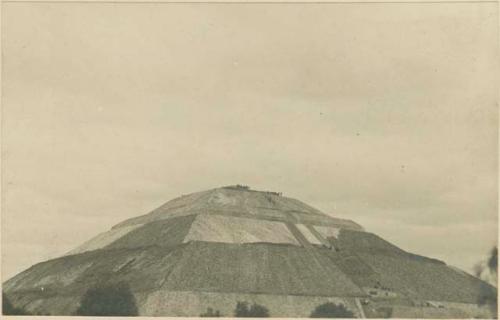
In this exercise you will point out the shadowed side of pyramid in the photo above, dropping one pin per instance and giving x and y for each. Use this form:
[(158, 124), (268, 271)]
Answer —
[(214, 248)]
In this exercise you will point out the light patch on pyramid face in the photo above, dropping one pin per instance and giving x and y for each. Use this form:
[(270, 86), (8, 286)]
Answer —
[(214, 228), (104, 239), (219, 198), (63, 278), (310, 237), (328, 232)]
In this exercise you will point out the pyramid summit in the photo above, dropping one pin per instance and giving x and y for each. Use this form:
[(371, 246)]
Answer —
[(214, 248), (241, 201), (232, 214)]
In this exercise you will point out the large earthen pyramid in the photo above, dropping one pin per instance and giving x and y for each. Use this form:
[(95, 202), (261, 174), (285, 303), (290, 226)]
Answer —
[(214, 248)]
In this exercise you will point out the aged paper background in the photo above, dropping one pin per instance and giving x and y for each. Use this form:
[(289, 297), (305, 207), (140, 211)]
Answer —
[(383, 113)]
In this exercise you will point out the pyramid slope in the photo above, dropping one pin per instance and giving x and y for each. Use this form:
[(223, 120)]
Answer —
[(259, 268), (193, 267), (220, 246), (56, 286), (239, 201), (410, 275), (265, 210)]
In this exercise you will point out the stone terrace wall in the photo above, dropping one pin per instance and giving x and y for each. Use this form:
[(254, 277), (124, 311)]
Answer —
[(185, 303)]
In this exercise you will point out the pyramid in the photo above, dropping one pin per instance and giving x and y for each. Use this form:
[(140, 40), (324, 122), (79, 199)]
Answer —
[(214, 248)]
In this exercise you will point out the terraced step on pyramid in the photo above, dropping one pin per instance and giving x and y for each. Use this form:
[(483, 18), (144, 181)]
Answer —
[(214, 248)]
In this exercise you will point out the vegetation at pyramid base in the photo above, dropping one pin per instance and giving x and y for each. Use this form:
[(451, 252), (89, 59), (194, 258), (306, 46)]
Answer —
[(254, 311), (108, 300), (9, 309), (488, 271), (210, 313), (490, 300), (331, 310)]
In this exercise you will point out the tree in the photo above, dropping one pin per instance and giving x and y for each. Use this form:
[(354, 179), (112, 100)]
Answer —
[(331, 310), (108, 300), (211, 314), (9, 309), (258, 311), (254, 311), (487, 271)]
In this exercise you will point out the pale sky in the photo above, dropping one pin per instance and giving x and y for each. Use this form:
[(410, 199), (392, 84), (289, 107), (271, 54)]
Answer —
[(385, 114)]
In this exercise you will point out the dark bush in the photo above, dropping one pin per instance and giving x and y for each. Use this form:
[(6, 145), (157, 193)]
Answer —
[(331, 310), (108, 300), (254, 311), (488, 297), (210, 313), (9, 309)]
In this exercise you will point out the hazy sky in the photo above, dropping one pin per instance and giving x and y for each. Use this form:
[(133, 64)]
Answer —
[(385, 114)]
